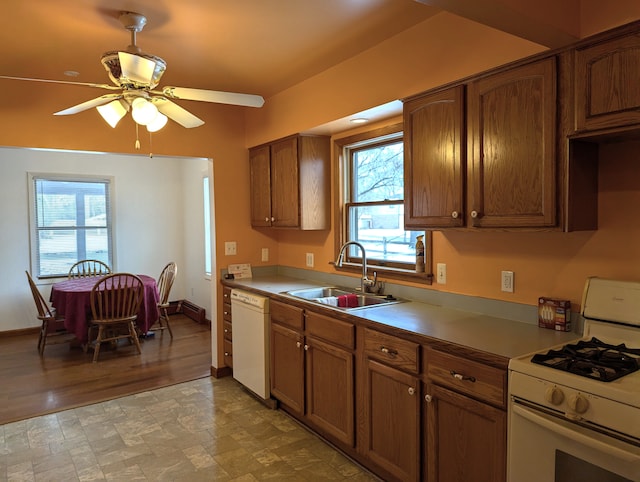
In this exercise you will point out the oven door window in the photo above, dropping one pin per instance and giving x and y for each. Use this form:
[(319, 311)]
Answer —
[(545, 448), (570, 468)]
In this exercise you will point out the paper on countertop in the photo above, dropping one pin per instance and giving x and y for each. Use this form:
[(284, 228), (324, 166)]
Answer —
[(240, 271)]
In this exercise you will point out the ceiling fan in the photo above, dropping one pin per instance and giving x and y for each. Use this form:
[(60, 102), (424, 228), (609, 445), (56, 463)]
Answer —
[(136, 75)]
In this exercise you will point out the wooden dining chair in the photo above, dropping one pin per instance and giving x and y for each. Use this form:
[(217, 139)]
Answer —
[(165, 282), (115, 301), (87, 268), (52, 330)]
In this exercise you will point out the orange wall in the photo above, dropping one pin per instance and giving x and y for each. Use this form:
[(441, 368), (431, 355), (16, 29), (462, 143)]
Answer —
[(436, 51)]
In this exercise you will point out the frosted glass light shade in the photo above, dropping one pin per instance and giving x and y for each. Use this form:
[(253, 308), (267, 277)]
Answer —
[(112, 112), (157, 123), (143, 111)]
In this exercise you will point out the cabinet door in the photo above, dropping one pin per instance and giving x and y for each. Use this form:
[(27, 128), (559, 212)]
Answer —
[(287, 367), (260, 171), (607, 93), (330, 390), (434, 160), (285, 208), (511, 146), (391, 418), (466, 439)]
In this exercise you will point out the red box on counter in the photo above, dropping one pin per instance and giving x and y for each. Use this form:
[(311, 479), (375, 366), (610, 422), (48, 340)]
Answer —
[(554, 314)]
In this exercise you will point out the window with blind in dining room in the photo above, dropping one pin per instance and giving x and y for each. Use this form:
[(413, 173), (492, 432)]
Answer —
[(71, 221)]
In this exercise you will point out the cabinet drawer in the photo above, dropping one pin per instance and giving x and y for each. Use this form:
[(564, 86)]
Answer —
[(226, 294), (467, 376), (226, 311), (336, 331), (228, 353), (392, 350), (290, 316), (227, 330)]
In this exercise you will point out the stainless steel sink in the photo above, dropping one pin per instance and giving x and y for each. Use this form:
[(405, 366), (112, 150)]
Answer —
[(323, 296)]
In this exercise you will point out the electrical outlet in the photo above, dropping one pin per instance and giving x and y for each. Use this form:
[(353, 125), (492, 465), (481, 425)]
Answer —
[(230, 248), (441, 276), (507, 281), (310, 260), (265, 254)]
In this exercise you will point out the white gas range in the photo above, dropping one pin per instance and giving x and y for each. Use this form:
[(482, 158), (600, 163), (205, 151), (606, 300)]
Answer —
[(574, 410)]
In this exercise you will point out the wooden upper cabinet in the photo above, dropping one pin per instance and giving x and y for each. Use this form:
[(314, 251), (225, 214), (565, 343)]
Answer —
[(290, 183), (260, 168), (284, 183), (434, 160), (607, 76), (512, 147)]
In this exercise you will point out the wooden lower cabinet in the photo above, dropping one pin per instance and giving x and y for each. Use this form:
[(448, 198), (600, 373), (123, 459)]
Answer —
[(466, 438), (391, 419), (312, 371), (330, 390), (287, 367)]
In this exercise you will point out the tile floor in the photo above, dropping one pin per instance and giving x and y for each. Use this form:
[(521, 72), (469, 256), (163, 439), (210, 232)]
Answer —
[(204, 430)]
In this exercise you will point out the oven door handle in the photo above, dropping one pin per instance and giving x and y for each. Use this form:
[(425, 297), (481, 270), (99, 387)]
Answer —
[(574, 435)]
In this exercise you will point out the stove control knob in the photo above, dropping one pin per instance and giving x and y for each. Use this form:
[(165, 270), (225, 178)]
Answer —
[(578, 403), (554, 395)]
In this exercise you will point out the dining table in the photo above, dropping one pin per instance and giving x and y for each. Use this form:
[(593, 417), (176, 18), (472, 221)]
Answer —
[(72, 300)]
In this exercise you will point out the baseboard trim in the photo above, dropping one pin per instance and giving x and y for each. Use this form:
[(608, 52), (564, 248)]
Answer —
[(189, 309), (21, 331), (220, 372)]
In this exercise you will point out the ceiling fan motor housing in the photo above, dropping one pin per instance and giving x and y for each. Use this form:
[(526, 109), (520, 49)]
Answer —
[(111, 62)]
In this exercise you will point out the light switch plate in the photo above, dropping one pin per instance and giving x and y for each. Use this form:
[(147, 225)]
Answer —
[(265, 254), (230, 248), (441, 276)]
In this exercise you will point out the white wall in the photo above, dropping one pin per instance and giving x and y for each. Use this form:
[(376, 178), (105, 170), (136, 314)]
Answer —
[(157, 212)]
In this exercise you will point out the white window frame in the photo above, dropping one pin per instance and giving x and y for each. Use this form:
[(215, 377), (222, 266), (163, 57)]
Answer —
[(32, 177), (353, 259)]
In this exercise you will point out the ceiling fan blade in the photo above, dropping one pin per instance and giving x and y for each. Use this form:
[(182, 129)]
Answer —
[(136, 67), (68, 82), (176, 113), (248, 100), (89, 104)]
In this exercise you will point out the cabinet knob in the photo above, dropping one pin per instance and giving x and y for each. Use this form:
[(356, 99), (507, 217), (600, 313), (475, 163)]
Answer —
[(226, 331), (266, 220), (428, 398), (455, 214), (411, 390), (273, 219), (226, 353), (306, 347), (474, 214), (298, 344), (226, 313)]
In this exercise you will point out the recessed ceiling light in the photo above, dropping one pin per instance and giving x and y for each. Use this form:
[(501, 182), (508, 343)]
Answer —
[(359, 120), (71, 73)]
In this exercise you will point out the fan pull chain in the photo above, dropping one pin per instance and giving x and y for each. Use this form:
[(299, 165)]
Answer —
[(137, 138), (150, 146)]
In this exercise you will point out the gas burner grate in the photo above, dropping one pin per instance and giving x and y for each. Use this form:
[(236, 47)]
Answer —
[(592, 359)]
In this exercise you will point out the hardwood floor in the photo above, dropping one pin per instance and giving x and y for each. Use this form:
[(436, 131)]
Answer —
[(65, 377)]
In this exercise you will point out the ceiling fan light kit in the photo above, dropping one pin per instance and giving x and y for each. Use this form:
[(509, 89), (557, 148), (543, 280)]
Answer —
[(135, 74)]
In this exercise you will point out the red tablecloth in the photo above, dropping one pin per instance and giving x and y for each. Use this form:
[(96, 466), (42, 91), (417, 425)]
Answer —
[(72, 299)]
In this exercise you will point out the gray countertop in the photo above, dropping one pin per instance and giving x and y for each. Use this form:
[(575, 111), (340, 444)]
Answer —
[(497, 336)]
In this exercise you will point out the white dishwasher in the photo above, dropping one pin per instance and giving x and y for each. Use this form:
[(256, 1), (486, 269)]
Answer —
[(250, 320)]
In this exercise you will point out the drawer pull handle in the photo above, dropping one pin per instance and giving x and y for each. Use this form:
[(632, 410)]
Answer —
[(459, 376), (389, 351)]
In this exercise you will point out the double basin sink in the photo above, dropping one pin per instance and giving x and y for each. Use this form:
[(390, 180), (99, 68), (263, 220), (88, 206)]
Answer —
[(334, 297)]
